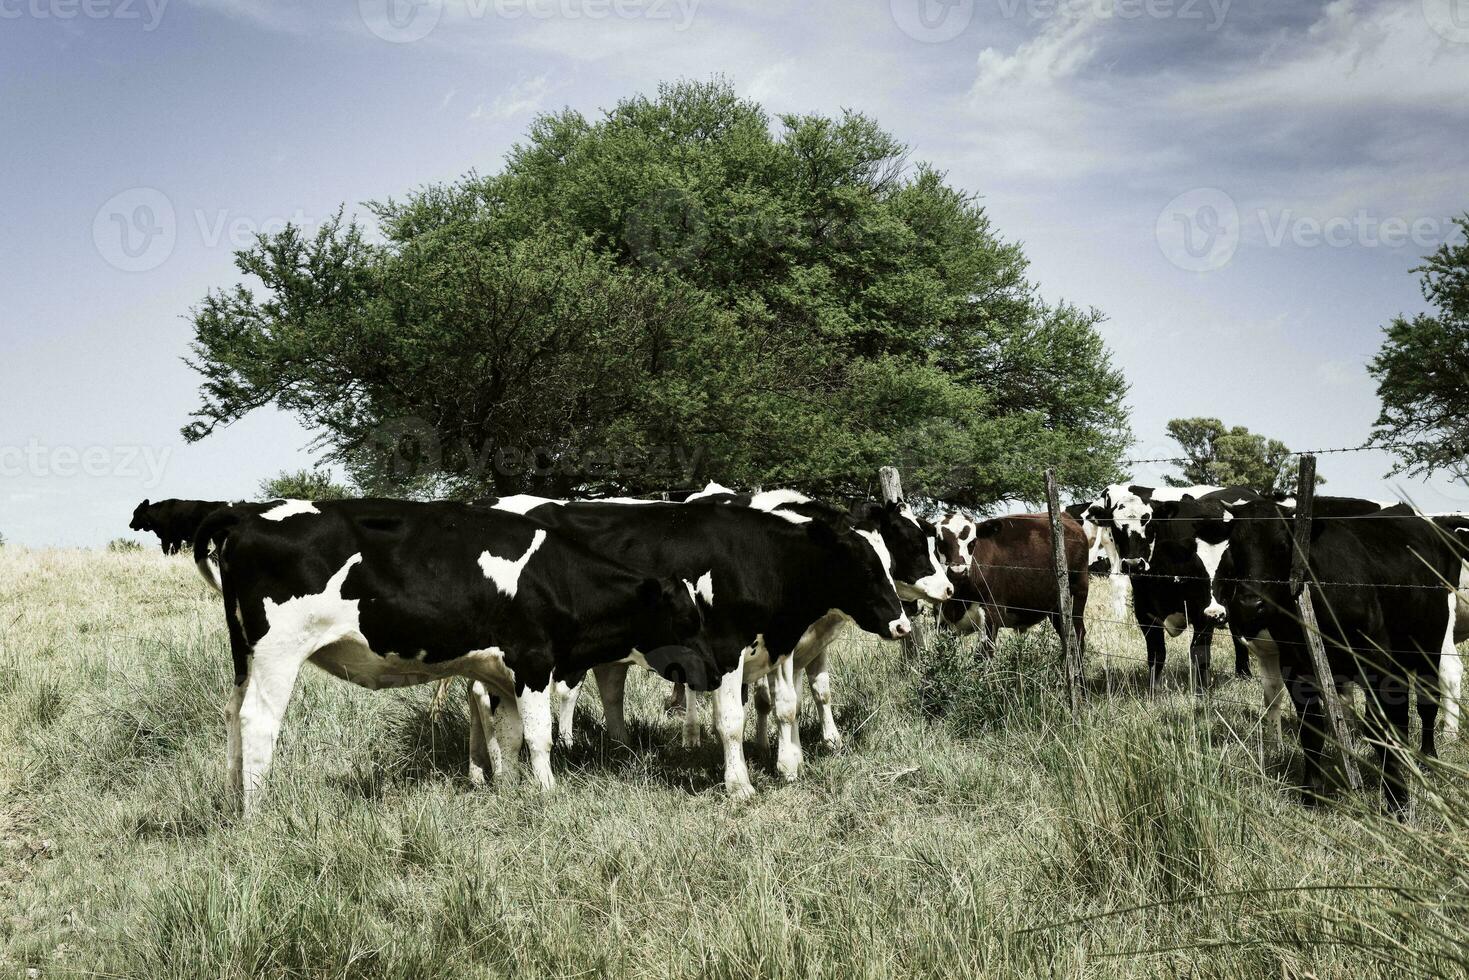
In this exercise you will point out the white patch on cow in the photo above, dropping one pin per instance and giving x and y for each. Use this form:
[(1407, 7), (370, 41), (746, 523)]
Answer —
[(964, 534), (883, 555), (1451, 668), (521, 503), (705, 587), (290, 508), (1211, 555), (905, 511), (710, 490), (296, 629), (506, 573), (774, 499), (1175, 623), (934, 587)]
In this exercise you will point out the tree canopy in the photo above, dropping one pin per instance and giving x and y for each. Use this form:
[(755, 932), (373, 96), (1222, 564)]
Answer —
[(678, 290), (1231, 456), (1422, 369)]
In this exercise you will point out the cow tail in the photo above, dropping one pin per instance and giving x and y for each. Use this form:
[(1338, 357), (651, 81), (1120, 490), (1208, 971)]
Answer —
[(211, 534)]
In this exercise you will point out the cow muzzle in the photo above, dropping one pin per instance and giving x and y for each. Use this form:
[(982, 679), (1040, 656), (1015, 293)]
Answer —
[(900, 627), (933, 588), (1216, 612), (1134, 566)]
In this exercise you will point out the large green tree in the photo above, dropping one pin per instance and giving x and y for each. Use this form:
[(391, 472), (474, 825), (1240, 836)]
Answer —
[(677, 290), (1422, 369), (1221, 455)]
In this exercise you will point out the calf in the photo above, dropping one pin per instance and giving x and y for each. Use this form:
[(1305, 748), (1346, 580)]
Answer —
[(1385, 635), (174, 521), (387, 593), (766, 578), (1010, 581)]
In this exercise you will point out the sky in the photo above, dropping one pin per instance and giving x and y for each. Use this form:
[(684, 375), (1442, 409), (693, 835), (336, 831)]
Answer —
[(1242, 186)]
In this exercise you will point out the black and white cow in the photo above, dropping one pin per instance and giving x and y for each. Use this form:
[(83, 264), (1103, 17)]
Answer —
[(1205, 529), (387, 593), (1385, 635), (1170, 588), (174, 521), (914, 565), (765, 577), (913, 561)]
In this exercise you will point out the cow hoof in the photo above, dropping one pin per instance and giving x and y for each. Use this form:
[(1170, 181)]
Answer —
[(833, 742), (740, 791), (476, 776), (692, 738), (565, 740)]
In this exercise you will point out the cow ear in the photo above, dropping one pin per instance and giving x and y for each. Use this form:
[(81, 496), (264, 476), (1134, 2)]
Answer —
[(145, 502)]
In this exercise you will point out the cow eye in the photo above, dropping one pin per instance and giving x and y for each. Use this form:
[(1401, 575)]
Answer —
[(1147, 517)]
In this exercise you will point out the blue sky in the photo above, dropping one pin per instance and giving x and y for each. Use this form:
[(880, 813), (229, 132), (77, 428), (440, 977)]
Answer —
[(1241, 185)]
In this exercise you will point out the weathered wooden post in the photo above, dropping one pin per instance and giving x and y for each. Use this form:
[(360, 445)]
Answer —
[(891, 484), (1070, 649), (1300, 575)]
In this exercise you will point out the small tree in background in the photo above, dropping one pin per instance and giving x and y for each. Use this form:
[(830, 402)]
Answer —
[(1422, 369), (1224, 456), (303, 485), (123, 546)]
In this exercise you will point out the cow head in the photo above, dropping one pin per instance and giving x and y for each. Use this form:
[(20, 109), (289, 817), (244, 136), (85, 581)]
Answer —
[(957, 536), (914, 562), (667, 623), (857, 563), (1128, 514), (1260, 551), (1192, 535), (142, 520)]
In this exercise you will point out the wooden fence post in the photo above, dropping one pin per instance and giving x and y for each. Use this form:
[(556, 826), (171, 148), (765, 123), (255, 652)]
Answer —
[(1300, 575), (1070, 649), (891, 483)]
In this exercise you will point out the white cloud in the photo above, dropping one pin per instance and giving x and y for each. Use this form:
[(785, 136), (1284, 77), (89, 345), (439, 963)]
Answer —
[(520, 99)]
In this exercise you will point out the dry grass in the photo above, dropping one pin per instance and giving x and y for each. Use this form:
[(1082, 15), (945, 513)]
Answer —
[(967, 828)]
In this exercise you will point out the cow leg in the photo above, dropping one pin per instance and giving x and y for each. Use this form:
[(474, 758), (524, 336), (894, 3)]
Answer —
[(1450, 675), (272, 678), (1390, 715), (1311, 708), (233, 760), (763, 703), (693, 731), (1428, 697), (566, 695), (676, 700), (504, 749), (990, 639), (1157, 655), (729, 723), (535, 720), (1241, 656), (820, 682), (481, 721), (1272, 686), (788, 745), (611, 685), (1200, 647)]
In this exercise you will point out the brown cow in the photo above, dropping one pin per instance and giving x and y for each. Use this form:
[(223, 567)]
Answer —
[(1009, 581)]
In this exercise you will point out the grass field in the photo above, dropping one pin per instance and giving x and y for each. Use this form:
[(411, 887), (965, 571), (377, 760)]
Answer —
[(967, 828)]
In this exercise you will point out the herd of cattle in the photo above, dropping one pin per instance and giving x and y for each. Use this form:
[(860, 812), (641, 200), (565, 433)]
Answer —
[(741, 594)]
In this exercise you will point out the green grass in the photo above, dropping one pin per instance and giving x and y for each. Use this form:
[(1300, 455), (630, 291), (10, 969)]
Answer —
[(968, 828)]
